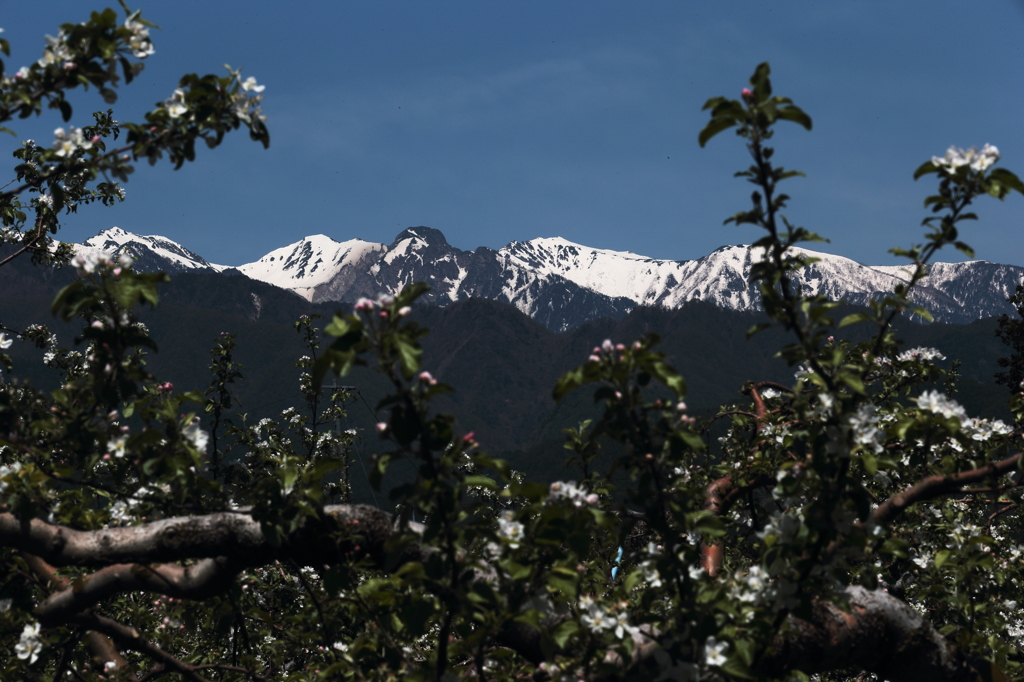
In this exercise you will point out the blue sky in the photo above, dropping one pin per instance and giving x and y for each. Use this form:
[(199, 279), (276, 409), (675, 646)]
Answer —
[(502, 121)]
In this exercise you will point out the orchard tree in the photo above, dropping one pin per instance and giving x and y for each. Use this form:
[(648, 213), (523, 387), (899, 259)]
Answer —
[(855, 520)]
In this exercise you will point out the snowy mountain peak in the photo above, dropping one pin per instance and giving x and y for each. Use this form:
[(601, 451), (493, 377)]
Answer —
[(310, 263), (151, 252)]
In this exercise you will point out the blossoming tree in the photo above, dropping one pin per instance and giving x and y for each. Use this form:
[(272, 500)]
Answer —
[(854, 520)]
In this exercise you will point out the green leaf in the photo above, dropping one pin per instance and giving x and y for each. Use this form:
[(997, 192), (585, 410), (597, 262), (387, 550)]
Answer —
[(796, 115), (564, 631), (567, 383), (925, 168), (410, 354), (65, 110), (715, 126), (1002, 181), (941, 557), (481, 481), (854, 319)]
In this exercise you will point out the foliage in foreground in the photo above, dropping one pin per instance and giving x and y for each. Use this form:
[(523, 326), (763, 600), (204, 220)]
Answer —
[(859, 519)]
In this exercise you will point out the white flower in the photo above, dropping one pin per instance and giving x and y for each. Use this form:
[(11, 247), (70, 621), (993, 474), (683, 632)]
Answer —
[(175, 104), (55, 52), (70, 141), (696, 572), (509, 528), (85, 263), (29, 645), (978, 161), (6, 471), (921, 353), (622, 626), (115, 446), (249, 85), (44, 200), (570, 492), (714, 651), (939, 403), (864, 423), (651, 574), (139, 42), (982, 429), (5, 342), (240, 108), (341, 646), (195, 435), (597, 620)]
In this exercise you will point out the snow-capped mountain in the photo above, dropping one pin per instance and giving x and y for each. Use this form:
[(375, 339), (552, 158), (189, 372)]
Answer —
[(562, 284), (151, 253), (316, 267)]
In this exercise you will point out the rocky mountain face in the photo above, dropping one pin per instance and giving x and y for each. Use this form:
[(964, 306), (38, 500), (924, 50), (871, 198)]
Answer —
[(561, 284)]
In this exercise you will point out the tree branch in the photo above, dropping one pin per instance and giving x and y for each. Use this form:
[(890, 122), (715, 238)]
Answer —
[(200, 581), (936, 486), (103, 650), (131, 639), (331, 539)]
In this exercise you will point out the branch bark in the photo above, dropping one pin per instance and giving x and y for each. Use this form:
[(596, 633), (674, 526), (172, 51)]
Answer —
[(103, 649), (200, 581), (233, 534), (936, 486)]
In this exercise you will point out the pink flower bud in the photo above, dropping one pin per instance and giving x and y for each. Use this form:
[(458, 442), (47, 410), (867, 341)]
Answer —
[(382, 428), (746, 93), (594, 358)]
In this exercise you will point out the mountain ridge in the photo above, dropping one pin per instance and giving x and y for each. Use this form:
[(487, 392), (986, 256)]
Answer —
[(562, 284)]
